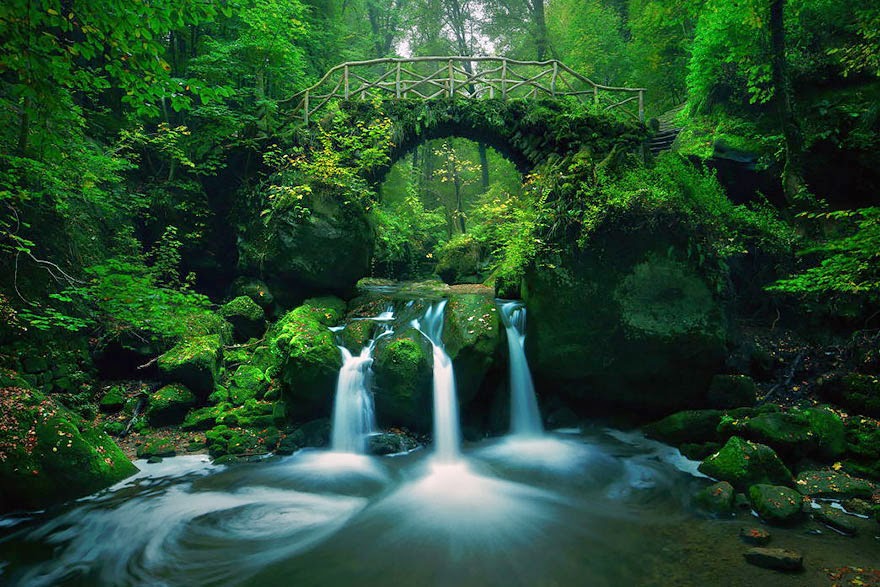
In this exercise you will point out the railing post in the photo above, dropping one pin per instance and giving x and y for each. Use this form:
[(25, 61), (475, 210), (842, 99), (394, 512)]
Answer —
[(306, 108), (504, 79), (451, 80), (345, 82), (553, 80), (397, 82), (641, 105)]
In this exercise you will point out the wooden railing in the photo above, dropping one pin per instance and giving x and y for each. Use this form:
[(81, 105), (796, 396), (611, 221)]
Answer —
[(470, 77)]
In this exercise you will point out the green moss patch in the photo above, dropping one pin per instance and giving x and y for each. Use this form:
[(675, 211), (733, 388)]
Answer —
[(775, 504), (743, 463), (169, 405), (194, 362)]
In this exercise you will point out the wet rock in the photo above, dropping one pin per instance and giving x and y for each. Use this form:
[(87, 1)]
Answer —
[(471, 336), (689, 426), (194, 362), (316, 433), (246, 316), (156, 447), (224, 440), (718, 498), (775, 504), (310, 358), (755, 536), (169, 405), (859, 506), (743, 463), (154, 460), (828, 483), (777, 559), (65, 456), (403, 369), (388, 443), (835, 519)]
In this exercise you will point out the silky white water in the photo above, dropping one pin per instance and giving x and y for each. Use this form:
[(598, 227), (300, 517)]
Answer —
[(353, 412), (447, 436), (525, 418)]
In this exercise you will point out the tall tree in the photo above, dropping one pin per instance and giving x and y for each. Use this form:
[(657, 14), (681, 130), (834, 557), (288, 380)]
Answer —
[(792, 171)]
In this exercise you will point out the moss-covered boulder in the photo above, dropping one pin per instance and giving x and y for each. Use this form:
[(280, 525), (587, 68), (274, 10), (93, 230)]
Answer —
[(732, 391), (628, 322), (113, 400), (329, 250), (153, 446), (797, 433), (248, 382), (833, 484), (247, 318), (471, 337), (169, 405), (49, 454), (688, 426), (255, 289), (403, 367), (224, 440), (357, 334), (310, 358), (194, 362), (461, 260), (776, 504), (203, 418), (718, 498), (743, 463), (863, 446)]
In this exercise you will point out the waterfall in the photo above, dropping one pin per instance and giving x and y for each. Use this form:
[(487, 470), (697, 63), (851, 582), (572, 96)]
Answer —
[(353, 413), (525, 418), (447, 438)]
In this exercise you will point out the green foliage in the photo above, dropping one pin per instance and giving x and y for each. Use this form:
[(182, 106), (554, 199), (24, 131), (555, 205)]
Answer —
[(406, 233), (850, 261)]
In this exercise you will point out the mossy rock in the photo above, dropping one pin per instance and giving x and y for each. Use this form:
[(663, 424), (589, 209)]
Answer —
[(248, 382), (225, 440), (255, 289), (194, 362), (247, 318), (471, 337), (688, 426), (316, 433), (777, 505), (169, 405), (797, 433), (718, 498), (357, 334), (387, 443), (255, 415), (113, 400), (310, 357), (156, 447), (114, 428), (623, 317), (403, 368), (743, 463), (833, 484), (732, 391), (50, 454), (203, 418)]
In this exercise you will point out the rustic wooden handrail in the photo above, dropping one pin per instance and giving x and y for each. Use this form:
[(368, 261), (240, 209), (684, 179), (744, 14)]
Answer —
[(469, 77)]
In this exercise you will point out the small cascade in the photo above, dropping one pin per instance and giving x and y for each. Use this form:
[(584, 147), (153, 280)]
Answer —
[(525, 418), (353, 413), (447, 437)]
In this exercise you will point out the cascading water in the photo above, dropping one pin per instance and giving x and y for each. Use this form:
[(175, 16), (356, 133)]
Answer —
[(447, 437), (353, 413), (525, 418)]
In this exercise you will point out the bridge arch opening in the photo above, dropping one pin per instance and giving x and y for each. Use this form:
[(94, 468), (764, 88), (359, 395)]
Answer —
[(445, 207)]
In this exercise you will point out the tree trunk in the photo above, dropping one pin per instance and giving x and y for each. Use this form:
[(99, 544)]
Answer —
[(792, 171), (540, 22)]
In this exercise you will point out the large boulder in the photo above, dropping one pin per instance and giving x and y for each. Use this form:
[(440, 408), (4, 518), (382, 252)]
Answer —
[(246, 317), (328, 249), (629, 321), (471, 336), (194, 362), (310, 358), (813, 431), (48, 454), (776, 504), (743, 463), (403, 366), (169, 405)]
